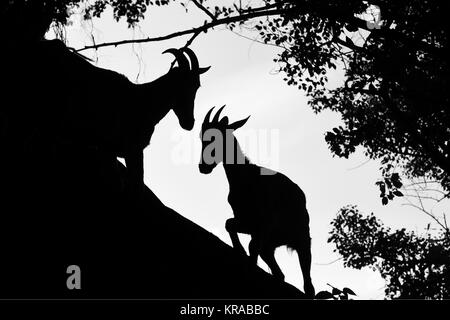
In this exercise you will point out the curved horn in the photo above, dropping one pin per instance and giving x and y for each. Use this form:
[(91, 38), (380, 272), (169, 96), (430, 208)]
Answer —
[(181, 59), (194, 60), (216, 117), (208, 115)]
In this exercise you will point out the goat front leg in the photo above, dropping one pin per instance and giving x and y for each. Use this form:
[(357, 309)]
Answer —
[(254, 248), (134, 161), (232, 228)]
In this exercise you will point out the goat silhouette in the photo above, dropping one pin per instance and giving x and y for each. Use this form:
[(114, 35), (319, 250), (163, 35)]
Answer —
[(105, 110), (266, 204)]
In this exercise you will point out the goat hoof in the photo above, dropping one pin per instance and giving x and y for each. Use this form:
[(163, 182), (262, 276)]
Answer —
[(309, 291)]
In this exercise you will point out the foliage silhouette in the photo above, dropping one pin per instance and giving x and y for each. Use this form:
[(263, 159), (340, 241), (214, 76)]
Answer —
[(414, 266), (394, 102), (335, 294), (266, 204)]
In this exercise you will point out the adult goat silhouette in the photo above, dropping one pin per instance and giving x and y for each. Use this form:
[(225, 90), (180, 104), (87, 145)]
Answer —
[(117, 115), (266, 204)]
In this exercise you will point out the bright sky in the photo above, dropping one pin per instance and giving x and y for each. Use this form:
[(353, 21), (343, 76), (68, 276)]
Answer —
[(242, 76)]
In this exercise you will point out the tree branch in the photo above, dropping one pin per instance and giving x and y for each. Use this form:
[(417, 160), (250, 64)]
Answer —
[(188, 43), (348, 45), (395, 35), (427, 213), (203, 28), (407, 124), (201, 7)]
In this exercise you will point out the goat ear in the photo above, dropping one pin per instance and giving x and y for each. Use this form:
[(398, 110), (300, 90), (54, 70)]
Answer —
[(203, 70), (238, 124)]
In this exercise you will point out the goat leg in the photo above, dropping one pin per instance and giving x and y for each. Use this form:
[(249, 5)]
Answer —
[(253, 249), (231, 227), (269, 257), (304, 255)]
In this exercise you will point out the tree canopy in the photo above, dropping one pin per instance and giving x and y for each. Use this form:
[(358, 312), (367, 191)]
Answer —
[(414, 266)]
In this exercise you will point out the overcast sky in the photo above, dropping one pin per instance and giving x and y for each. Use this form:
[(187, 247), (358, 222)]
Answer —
[(243, 77)]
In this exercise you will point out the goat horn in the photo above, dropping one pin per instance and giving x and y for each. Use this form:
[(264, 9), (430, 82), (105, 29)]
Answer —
[(208, 115), (216, 117), (180, 57), (194, 60)]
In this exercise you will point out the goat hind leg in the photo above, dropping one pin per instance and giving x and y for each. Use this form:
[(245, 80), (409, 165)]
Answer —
[(304, 256), (269, 257)]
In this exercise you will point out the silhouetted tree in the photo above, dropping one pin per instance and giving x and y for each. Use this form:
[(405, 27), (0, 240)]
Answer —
[(413, 265), (31, 19), (394, 101)]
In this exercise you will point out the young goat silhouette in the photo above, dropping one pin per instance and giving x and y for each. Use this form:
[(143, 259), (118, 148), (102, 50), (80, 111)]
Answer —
[(105, 110), (266, 204)]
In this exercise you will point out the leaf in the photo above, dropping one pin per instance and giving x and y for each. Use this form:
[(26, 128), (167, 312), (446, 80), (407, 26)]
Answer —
[(349, 42), (382, 188), (397, 183), (388, 183), (384, 201), (398, 193), (336, 292), (348, 291), (351, 28), (324, 295)]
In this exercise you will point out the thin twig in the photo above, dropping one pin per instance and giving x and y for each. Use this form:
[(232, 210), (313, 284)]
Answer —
[(191, 39), (422, 197), (360, 165), (199, 29), (201, 7), (259, 41), (329, 263), (426, 212), (188, 43)]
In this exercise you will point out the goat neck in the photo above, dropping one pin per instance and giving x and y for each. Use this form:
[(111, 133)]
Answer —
[(160, 93), (239, 167)]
